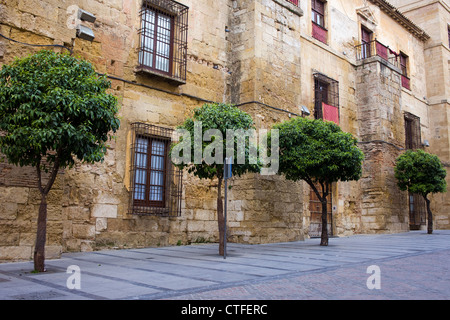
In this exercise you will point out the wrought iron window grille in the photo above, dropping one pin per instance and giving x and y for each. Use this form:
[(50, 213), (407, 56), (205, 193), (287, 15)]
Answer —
[(163, 39), (155, 183), (326, 90)]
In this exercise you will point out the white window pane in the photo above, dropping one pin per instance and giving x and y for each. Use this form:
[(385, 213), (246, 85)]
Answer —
[(156, 178), (139, 192), (158, 147), (156, 194), (141, 145)]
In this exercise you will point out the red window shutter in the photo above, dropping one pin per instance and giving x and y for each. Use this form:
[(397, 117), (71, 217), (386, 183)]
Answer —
[(405, 83), (319, 33)]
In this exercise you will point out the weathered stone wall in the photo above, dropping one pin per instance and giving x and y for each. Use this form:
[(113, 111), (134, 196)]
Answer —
[(92, 201), (383, 206)]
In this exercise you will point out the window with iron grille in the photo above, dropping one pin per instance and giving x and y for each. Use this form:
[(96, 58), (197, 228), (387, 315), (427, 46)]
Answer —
[(326, 95), (163, 38), (156, 184)]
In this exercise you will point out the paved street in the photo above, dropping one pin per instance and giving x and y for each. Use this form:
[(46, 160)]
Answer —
[(410, 265)]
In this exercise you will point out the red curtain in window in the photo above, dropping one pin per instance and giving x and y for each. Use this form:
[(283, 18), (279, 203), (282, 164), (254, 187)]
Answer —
[(319, 33), (330, 113)]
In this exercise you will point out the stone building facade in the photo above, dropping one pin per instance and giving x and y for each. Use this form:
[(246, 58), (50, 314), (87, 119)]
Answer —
[(384, 68)]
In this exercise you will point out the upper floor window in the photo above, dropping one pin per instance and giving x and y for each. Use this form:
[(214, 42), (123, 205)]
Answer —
[(318, 12), (318, 20), (326, 98), (163, 43), (404, 67), (448, 29), (295, 2)]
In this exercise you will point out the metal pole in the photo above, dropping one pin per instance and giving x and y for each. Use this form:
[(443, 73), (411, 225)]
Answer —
[(225, 222)]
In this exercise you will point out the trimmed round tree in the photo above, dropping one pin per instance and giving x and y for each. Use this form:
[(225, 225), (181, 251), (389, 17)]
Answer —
[(422, 173), (320, 153), (214, 131), (54, 109)]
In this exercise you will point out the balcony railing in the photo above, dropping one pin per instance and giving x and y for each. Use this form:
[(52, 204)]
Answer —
[(376, 48)]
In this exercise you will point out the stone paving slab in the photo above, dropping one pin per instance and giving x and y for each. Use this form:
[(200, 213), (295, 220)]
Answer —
[(413, 265)]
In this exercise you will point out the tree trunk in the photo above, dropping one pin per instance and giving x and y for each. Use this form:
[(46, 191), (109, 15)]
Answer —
[(324, 235), (39, 248), (220, 218), (430, 216)]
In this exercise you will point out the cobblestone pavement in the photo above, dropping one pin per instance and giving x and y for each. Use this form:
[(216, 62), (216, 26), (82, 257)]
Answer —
[(409, 266)]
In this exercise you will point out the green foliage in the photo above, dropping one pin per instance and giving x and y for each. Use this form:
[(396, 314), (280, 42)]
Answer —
[(317, 151), (222, 117), (54, 106), (420, 172)]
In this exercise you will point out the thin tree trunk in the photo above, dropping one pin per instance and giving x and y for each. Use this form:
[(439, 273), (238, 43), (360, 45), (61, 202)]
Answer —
[(39, 248), (41, 234), (323, 200), (220, 218), (324, 235), (430, 216)]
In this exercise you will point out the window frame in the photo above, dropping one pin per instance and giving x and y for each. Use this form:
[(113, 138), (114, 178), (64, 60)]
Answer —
[(154, 41), (147, 202), (151, 38), (331, 96), (140, 201)]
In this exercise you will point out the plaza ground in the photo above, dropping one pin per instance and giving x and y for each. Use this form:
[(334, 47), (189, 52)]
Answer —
[(411, 266)]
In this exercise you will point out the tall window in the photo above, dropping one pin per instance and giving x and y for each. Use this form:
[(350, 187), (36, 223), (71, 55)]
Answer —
[(149, 176), (318, 21), (366, 38), (412, 131), (155, 182), (156, 40), (326, 98), (163, 43), (448, 30), (404, 67)]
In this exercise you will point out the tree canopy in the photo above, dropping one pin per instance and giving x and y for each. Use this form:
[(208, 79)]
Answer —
[(318, 151), (207, 133), (54, 105), (420, 172)]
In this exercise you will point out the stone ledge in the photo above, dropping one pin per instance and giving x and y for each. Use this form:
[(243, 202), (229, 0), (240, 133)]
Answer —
[(291, 7)]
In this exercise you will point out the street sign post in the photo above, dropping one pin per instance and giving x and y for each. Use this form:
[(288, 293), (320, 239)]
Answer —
[(227, 174)]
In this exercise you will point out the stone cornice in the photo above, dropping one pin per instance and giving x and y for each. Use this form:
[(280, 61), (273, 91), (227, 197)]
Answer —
[(291, 7), (394, 13)]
